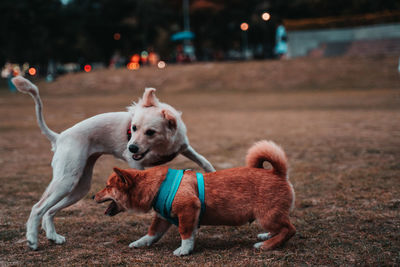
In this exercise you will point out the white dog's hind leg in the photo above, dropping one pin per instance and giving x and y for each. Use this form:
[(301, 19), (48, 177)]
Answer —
[(191, 154), (63, 183), (47, 221), (77, 194), (57, 190)]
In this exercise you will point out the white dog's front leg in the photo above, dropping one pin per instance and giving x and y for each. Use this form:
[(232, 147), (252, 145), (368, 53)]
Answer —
[(191, 154), (186, 247)]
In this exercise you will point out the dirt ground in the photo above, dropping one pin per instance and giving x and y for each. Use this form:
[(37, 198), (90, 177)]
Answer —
[(337, 119)]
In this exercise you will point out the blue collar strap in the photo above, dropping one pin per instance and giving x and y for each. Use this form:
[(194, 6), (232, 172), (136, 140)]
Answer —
[(200, 186), (166, 194)]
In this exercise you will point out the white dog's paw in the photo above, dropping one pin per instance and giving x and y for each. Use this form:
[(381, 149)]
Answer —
[(264, 236), (32, 242), (138, 244), (258, 245), (182, 251), (56, 238), (145, 241)]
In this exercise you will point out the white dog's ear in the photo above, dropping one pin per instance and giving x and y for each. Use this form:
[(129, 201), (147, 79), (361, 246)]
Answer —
[(170, 118), (123, 176), (149, 99)]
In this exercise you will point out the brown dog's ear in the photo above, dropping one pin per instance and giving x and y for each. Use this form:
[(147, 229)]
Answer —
[(149, 99), (123, 176), (170, 118)]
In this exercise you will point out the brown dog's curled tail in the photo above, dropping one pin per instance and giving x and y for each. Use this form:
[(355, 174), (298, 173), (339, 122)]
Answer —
[(267, 151)]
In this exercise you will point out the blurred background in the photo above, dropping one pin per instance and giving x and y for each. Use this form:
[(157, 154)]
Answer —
[(51, 37)]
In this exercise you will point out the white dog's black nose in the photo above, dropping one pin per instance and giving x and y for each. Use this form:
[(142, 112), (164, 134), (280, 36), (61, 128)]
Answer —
[(133, 148)]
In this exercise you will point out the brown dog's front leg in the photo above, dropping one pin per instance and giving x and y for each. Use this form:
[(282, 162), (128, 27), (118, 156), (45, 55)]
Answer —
[(159, 226), (188, 221), (157, 229)]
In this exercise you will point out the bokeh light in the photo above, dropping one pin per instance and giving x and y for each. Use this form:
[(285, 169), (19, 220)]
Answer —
[(135, 58), (244, 26), (133, 66), (117, 36), (153, 58), (144, 56), (266, 16), (32, 71), (161, 64), (87, 68)]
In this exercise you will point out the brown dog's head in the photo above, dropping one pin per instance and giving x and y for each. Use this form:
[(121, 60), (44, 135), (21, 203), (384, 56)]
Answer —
[(116, 191)]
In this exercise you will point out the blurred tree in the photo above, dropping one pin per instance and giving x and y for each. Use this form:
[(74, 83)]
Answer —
[(26, 28), (84, 30)]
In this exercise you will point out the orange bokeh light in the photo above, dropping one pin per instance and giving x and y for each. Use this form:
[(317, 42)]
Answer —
[(244, 26), (135, 58), (133, 66), (32, 71), (153, 58), (87, 68)]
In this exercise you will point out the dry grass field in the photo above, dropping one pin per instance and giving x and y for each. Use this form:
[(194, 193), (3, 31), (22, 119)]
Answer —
[(338, 120)]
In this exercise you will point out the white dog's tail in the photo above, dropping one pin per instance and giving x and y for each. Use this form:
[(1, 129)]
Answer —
[(25, 86), (267, 151)]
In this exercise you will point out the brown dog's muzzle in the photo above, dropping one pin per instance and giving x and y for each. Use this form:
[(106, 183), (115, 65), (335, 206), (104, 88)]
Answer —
[(113, 208)]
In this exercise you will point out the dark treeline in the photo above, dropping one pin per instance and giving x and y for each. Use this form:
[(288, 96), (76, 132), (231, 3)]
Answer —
[(39, 30)]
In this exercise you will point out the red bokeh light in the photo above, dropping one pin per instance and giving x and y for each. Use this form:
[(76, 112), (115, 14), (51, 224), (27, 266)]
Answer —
[(135, 58), (117, 36), (87, 68)]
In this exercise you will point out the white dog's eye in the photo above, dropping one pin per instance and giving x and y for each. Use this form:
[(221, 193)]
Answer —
[(134, 128), (150, 132)]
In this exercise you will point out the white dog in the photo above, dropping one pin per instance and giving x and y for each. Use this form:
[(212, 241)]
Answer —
[(156, 135)]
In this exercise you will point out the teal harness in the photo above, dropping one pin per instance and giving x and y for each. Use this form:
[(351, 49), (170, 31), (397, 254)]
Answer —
[(166, 194)]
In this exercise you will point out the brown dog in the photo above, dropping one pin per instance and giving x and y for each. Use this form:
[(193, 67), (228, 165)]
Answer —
[(232, 197)]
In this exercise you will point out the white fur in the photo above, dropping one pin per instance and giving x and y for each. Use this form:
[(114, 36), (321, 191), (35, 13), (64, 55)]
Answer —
[(293, 196), (264, 236), (187, 246), (77, 149), (146, 240), (258, 245)]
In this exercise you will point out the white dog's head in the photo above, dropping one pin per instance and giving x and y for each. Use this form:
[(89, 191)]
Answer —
[(156, 128)]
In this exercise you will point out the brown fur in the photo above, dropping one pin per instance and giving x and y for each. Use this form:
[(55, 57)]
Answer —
[(232, 196)]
